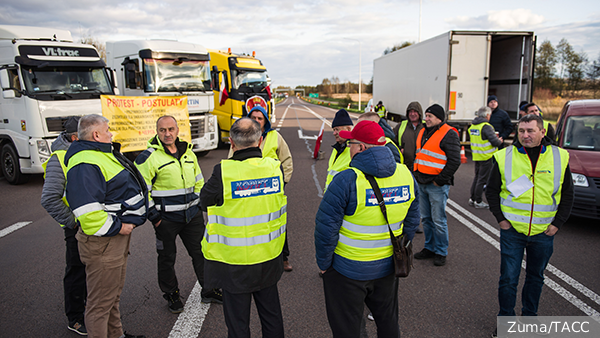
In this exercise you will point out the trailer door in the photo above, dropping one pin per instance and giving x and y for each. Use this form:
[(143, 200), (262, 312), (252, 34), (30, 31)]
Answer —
[(468, 75)]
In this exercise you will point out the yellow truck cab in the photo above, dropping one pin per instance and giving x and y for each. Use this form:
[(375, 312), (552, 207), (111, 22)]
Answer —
[(239, 82)]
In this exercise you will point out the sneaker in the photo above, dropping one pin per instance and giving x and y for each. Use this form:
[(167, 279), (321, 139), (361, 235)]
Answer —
[(439, 260), (175, 304), (213, 296), (370, 316), (127, 335), (287, 266), (424, 254), (471, 203), (481, 205), (78, 327)]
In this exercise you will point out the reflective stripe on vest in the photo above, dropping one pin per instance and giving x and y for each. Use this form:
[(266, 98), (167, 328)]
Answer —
[(253, 194), (430, 158), (338, 165), (401, 131), (531, 212), (270, 145), (364, 236), (481, 149)]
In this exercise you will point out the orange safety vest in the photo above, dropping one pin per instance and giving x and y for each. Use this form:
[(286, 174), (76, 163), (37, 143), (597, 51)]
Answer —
[(431, 159)]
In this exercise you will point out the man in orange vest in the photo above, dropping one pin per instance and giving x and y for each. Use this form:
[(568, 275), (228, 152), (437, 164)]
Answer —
[(437, 159)]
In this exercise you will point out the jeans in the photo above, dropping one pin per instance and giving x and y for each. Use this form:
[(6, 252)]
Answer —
[(539, 250), (433, 216), (482, 173)]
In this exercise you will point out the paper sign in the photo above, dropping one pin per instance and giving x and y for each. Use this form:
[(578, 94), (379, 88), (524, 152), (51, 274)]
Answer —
[(519, 186)]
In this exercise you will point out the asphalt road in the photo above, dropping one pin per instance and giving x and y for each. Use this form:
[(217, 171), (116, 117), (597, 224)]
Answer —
[(456, 300)]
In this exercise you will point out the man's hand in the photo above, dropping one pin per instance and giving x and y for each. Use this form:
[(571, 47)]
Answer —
[(551, 230), (505, 225), (126, 228), (437, 185), (157, 223)]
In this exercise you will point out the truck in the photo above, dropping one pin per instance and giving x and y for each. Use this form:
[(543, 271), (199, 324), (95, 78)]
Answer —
[(169, 68), (240, 82), (458, 70), (45, 78)]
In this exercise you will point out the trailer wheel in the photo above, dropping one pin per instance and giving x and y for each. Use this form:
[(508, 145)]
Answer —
[(10, 166)]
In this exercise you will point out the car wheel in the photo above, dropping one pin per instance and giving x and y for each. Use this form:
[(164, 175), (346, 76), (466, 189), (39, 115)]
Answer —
[(11, 168)]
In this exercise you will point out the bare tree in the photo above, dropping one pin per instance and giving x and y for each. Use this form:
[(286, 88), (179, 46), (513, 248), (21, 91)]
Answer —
[(593, 73), (545, 64), (100, 46), (397, 47)]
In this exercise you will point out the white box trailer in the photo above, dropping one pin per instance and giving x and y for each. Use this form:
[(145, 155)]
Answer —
[(45, 78), (169, 68), (457, 70)]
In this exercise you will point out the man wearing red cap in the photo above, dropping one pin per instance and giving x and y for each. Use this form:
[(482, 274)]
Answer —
[(352, 240)]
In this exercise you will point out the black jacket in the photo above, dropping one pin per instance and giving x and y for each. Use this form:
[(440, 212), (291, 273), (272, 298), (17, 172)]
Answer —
[(236, 278), (450, 144), (501, 123), (494, 185)]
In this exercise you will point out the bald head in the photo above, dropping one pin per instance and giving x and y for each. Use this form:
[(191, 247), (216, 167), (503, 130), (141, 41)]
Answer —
[(245, 133), (370, 116)]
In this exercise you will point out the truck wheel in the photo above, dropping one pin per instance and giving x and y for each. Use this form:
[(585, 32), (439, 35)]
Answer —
[(10, 166), (221, 144)]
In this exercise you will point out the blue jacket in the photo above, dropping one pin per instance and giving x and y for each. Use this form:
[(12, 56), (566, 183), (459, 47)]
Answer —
[(340, 200), (89, 191)]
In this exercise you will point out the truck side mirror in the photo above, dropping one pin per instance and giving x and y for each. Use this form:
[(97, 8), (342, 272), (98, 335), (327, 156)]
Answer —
[(130, 75), (4, 79)]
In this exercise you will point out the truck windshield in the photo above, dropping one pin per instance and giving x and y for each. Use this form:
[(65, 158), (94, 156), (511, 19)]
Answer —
[(66, 80), (176, 75), (583, 133), (248, 79)]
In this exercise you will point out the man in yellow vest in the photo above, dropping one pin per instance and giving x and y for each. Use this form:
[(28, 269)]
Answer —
[(246, 229), (55, 203), (380, 109), (275, 147), (340, 155), (437, 159), (407, 131), (174, 179), (108, 197), (530, 192), (484, 143), (352, 239)]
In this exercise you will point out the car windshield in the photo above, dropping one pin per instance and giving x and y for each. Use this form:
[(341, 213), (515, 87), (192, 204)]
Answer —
[(176, 75), (66, 80), (582, 132), (249, 79)]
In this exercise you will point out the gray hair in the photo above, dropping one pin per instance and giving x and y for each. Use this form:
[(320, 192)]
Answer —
[(483, 111), (245, 133), (87, 124)]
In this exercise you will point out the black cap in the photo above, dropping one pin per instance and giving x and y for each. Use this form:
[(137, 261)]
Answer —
[(437, 110), (71, 124), (341, 119), (492, 98)]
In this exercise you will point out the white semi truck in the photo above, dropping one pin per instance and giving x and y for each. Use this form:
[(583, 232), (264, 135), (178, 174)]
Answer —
[(169, 68), (45, 78), (457, 70)]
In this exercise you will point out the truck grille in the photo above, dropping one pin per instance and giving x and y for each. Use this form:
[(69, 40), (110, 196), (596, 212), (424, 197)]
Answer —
[(197, 127), (55, 124)]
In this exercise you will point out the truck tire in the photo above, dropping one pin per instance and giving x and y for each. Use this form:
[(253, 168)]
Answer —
[(11, 168), (221, 144)]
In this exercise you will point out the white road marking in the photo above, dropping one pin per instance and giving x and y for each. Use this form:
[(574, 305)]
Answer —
[(189, 322), (550, 283), (282, 118), (13, 228)]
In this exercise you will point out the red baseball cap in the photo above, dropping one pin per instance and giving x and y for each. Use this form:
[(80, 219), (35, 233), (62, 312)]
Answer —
[(365, 131)]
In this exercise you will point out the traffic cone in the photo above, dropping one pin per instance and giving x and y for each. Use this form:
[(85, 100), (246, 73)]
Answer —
[(463, 157)]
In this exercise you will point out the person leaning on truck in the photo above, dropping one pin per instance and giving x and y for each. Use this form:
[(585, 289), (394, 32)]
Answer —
[(108, 197), (246, 229), (174, 180), (340, 155), (55, 203), (529, 216), (499, 118), (484, 143), (437, 159), (407, 131)]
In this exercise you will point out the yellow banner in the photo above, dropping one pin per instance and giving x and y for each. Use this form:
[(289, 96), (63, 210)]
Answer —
[(132, 119)]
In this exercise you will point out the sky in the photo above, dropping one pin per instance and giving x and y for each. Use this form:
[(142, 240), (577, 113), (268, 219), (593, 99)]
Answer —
[(303, 42)]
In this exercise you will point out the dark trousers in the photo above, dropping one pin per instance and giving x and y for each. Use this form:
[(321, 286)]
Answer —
[(286, 249), (482, 173), (74, 280), (236, 308), (345, 301), (191, 235)]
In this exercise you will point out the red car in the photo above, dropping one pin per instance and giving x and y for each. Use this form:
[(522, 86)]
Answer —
[(578, 131)]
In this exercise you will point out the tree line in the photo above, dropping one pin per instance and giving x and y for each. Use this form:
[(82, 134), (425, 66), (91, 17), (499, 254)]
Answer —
[(564, 71)]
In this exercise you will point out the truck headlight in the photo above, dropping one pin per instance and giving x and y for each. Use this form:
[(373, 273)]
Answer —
[(210, 124), (43, 148), (580, 180)]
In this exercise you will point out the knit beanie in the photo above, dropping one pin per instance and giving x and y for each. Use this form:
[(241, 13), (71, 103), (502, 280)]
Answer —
[(341, 119), (71, 124), (437, 110), (492, 98)]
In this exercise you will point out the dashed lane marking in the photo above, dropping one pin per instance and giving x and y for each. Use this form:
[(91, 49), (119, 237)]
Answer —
[(13, 228), (189, 322)]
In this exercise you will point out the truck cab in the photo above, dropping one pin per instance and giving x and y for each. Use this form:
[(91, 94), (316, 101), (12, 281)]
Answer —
[(45, 78), (169, 68), (246, 83)]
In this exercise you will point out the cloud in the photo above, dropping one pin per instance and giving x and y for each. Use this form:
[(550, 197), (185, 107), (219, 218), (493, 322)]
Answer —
[(509, 19)]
